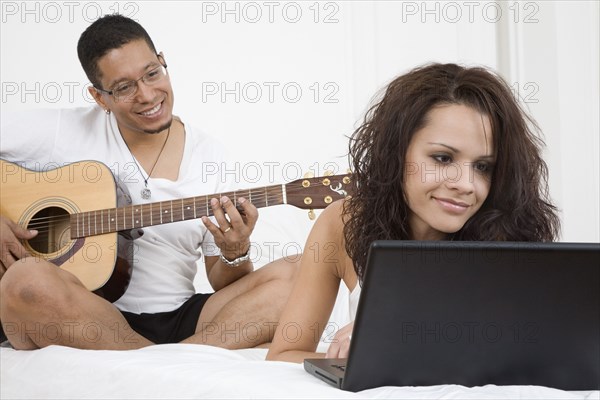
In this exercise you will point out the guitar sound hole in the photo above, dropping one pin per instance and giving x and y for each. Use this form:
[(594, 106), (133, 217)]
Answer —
[(53, 228)]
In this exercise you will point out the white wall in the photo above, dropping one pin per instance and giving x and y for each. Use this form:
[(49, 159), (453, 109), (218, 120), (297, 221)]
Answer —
[(338, 54)]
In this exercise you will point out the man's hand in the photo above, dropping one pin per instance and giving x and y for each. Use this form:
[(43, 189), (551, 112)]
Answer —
[(11, 248), (340, 346), (232, 235)]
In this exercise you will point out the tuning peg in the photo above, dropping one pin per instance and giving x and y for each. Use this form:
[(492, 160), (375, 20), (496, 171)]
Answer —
[(311, 214), (309, 174), (328, 173), (348, 171)]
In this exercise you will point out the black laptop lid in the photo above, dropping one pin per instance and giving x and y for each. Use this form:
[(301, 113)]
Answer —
[(474, 313)]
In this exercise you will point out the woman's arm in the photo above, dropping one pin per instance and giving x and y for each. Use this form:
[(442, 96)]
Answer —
[(312, 299)]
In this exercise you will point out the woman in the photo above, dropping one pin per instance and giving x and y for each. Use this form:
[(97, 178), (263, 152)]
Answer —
[(446, 154)]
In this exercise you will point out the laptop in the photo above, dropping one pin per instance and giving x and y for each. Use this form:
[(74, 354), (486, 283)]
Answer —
[(472, 314)]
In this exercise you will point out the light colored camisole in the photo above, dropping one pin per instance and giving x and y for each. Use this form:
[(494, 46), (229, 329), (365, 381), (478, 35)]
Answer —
[(354, 296)]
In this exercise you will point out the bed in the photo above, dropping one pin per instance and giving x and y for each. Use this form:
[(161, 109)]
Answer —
[(181, 371)]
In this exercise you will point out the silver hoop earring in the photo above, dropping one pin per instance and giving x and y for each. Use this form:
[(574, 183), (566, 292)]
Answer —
[(107, 111)]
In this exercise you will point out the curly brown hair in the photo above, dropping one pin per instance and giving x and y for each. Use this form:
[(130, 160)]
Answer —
[(517, 207)]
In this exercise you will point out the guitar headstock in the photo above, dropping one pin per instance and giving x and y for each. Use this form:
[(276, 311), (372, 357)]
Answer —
[(318, 192)]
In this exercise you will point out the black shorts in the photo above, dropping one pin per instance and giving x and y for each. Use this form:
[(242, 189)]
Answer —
[(171, 326)]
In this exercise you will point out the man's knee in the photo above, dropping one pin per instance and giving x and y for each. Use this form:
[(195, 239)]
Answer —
[(28, 282)]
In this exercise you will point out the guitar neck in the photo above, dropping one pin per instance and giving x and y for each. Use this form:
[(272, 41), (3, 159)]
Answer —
[(111, 220)]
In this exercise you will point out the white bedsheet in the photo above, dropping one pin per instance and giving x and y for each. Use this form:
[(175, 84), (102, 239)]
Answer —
[(182, 371)]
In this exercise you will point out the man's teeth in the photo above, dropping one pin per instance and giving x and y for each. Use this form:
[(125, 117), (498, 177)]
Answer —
[(154, 110)]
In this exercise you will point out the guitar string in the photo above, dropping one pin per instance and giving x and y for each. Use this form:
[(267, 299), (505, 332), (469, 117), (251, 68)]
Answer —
[(42, 227), (65, 217), (53, 220)]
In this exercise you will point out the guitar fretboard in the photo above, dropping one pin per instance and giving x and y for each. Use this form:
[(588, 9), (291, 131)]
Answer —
[(110, 220)]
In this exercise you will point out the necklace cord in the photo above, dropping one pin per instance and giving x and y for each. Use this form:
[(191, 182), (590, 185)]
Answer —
[(155, 162)]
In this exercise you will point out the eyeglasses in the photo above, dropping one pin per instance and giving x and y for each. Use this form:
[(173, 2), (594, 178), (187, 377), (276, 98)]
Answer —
[(129, 88)]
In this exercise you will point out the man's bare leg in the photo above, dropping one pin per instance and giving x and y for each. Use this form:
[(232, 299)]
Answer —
[(41, 305), (245, 313)]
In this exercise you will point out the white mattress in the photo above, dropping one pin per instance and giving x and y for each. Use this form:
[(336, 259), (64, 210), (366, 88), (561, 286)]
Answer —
[(181, 371)]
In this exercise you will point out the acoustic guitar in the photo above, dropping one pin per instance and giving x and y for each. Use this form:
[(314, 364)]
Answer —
[(74, 210)]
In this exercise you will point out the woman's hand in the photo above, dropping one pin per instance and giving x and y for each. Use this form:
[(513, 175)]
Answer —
[(340, 346)]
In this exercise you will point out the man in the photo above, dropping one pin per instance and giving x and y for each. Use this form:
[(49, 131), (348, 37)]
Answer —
[(154, 157)]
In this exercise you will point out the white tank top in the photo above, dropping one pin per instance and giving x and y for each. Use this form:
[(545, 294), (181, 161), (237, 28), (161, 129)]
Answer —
[(354, 296)]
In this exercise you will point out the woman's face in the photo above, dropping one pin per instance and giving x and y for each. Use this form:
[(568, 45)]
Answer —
[(449, 165)]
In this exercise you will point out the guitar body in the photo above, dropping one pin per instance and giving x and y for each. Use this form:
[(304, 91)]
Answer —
[(45, 200)]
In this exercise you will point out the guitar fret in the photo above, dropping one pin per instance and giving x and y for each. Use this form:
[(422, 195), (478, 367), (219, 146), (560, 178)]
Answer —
[(266, 197), (246, 195), (283, 194), (123, 220), (190, 213)]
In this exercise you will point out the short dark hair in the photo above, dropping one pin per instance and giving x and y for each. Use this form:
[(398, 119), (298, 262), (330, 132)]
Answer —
[(107, 33)]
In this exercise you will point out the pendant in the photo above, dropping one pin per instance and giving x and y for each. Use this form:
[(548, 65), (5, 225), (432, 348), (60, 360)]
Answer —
[(146, 193)]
